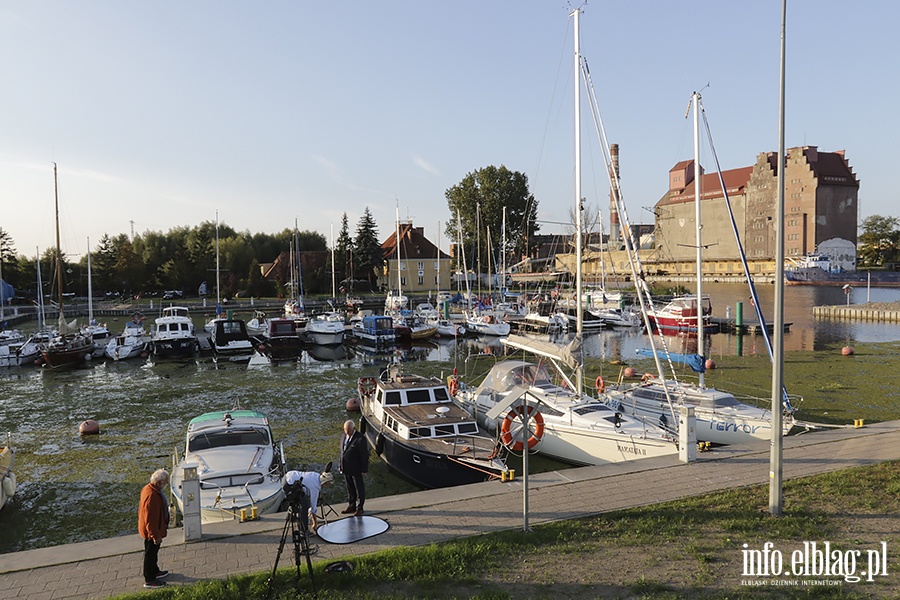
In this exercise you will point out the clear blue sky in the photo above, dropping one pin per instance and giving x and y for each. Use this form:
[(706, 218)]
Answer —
[(164, 112)]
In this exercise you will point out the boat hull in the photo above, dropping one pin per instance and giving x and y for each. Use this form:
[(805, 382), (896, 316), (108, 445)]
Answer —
[(428, 469), (180, 348), (818, 276)]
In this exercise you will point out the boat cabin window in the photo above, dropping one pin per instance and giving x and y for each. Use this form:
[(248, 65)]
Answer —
[(282, 328), (591, 408), (444, 430), (220, 439), (392, 398), (419, 432), (441, 394), (467, 428), (240, 480), (418, 396)]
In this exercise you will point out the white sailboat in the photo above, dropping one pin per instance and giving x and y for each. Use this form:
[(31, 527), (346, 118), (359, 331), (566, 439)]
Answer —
[(720, 417), (569, 425)]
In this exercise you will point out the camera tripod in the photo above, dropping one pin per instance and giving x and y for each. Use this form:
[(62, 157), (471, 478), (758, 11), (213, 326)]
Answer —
[(295, 522)]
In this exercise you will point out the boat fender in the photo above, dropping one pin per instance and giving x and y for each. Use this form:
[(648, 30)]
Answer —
[(512, 416), (600, 384), (9, 485), (379, 444), (362, 426)]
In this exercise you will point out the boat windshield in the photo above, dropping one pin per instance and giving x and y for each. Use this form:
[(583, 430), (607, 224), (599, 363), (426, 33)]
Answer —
[(228, 437), (522, 374)]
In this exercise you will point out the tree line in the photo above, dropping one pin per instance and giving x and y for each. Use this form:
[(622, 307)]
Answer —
[(182, 258)]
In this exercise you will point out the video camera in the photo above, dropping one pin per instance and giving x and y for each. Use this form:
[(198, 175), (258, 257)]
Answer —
[(295, 493)]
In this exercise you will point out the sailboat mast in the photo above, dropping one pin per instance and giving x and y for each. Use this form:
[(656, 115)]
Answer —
[(218, 296), (90, 289), (695, 98), (59, 271), (579, 310), (333, 291), (399, 280)]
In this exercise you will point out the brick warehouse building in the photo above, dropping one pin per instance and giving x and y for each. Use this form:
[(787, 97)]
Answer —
[(821, 207)]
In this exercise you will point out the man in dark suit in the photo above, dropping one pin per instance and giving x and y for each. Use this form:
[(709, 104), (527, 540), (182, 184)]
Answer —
[(354, 464)]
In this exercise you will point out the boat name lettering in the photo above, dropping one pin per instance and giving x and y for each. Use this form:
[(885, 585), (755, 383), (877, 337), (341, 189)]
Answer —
[(631, 450), (735, 427)]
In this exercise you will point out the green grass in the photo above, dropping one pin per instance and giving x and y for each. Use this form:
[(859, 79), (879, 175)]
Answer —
[(702, 536)]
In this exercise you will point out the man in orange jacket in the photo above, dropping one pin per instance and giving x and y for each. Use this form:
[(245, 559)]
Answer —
[(153, 522)]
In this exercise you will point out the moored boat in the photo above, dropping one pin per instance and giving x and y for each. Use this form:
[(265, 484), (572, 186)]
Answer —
[(417, 428), (173, 336), (238, 463)]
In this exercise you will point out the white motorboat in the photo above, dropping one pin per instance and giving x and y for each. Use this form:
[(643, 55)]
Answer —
[(238, 463), (576, 429), (485, 323), (7, 477), (326, 329), (23, 353), (173, 336), (417, 428), (680, 314), (132, 343)]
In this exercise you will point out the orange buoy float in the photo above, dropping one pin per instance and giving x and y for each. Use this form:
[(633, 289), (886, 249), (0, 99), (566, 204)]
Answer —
[(89, 427), (847, 351), (353, 404), (630, 372)]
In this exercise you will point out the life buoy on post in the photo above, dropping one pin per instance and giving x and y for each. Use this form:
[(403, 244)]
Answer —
[(366, 386), (453, 385), (506, 434), (646, 377), (600, 384)]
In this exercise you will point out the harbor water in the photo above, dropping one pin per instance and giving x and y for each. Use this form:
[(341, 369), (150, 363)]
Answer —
[(74, 488)]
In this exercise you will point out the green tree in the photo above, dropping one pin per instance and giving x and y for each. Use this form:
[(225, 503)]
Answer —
[(479, 200), (879, 242), (367, 248), (9, 261), (343, 251)]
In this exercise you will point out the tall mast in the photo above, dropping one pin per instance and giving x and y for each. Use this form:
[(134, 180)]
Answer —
[(59, 271), (218, 297), (579, 310), (333, 295), (90, 289), (695, 98), (399, 279)]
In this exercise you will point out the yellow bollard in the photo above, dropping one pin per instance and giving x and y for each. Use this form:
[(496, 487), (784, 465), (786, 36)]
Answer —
[(243, 515), (253, 513), (512, 474), (857, 423)]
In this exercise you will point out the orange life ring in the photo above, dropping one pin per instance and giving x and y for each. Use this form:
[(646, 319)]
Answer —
[(600, 384), (366, 386), (486, 319), (647, 377), (453, 385), (506, 435)]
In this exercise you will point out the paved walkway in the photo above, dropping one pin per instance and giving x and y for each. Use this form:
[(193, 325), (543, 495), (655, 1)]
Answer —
[(104, 568)]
